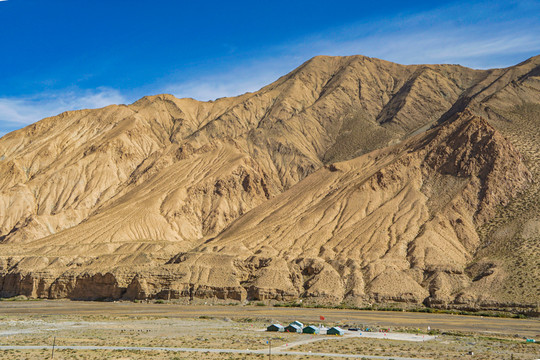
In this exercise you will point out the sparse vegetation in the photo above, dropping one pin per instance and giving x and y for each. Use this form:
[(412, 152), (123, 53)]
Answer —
[(501, 314), (123, 330)]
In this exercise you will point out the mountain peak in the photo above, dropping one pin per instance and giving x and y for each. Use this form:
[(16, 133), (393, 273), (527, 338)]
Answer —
[(333, 183)]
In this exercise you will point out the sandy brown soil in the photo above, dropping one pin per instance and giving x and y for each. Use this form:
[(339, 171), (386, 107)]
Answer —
[(445, 347), (443, 322), (237, 327)]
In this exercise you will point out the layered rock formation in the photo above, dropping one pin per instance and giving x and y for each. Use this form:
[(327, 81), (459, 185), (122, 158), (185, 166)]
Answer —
[(349, 179)]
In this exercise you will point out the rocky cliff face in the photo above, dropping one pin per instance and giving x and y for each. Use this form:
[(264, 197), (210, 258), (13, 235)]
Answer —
[(349, 179)]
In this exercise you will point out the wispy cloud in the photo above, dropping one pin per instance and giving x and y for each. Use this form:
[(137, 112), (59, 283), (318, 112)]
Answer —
[(472, 45), (478, 35), (17, 112), (248, 76), (211, 88), (438, 46)]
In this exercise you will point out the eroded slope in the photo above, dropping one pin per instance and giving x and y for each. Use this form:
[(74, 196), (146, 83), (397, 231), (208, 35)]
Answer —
[(65, 169), (335, 188), (398, 224)]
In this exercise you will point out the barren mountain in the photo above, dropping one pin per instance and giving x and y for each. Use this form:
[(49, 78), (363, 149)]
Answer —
[(349, 179)]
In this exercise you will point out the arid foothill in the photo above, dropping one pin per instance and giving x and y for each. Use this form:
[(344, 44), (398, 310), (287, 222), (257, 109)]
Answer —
[(350, 180)]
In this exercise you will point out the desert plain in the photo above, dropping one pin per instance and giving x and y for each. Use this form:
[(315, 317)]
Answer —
[(168, 330)]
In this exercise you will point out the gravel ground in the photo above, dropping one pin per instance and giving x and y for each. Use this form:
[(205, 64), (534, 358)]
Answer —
[(238, 330)]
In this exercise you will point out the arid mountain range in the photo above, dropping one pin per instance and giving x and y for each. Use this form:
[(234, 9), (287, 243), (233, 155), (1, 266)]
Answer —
[(350, 179)]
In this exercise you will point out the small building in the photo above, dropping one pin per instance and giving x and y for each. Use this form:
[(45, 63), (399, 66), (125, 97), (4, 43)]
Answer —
[(298, 323), (293, 328), (336, 331), (275, 327), (311, 330)]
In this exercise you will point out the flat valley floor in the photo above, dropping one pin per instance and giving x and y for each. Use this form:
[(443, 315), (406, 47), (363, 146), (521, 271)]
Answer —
[(124, 330)]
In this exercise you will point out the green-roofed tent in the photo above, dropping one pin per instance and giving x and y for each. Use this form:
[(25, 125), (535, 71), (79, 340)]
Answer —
[(336, 331), (275, 327), (311, 330), (298, 323), (293, 328)]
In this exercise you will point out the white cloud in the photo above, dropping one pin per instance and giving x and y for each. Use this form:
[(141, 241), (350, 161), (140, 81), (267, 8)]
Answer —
[(17, 112), (479, 35), (213, 88), (476, 35), (238, 80), (471, 35), (438, 47)]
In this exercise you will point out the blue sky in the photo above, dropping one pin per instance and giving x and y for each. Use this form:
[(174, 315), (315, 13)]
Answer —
[(65, 55)]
